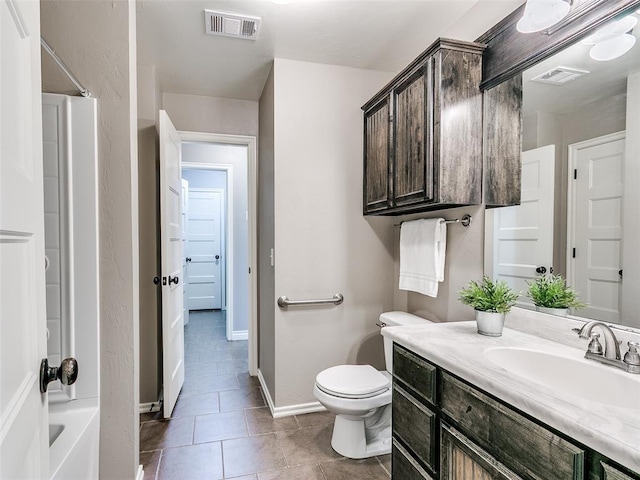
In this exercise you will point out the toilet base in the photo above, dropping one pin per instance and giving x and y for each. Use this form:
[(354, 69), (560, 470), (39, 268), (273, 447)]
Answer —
[(363, 437)]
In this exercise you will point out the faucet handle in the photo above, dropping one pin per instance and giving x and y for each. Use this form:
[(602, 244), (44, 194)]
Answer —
[(594, 345), (632, 357)]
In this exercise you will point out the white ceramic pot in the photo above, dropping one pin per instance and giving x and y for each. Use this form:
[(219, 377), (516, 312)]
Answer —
[(560, 312), (490, 323)]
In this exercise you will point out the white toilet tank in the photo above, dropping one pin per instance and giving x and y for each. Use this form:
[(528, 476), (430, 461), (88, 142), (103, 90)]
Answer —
[(392, 319)]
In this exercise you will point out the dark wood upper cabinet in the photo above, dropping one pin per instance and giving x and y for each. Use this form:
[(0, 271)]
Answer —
[(377, 150), (430, 156)]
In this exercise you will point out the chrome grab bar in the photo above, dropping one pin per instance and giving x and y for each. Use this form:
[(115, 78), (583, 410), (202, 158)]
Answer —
[(284, 302)]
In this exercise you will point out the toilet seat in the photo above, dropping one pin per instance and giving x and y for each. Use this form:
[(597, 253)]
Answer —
[(352, 381)]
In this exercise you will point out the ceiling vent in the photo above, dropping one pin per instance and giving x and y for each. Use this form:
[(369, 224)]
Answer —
[(559, 75), (231, 24)]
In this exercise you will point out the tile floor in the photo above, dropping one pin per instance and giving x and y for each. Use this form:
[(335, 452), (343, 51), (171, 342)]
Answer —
[(221, 427)]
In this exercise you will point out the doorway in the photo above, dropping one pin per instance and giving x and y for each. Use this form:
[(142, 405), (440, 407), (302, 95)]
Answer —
[(220, 170)]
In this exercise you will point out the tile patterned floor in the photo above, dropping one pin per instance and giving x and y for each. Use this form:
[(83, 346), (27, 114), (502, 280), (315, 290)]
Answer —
[(221, 427)]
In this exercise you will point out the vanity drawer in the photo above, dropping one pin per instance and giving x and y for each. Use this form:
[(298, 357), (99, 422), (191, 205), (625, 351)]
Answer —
[(404, 466), (520, 444), (415, 372), (415, 425)]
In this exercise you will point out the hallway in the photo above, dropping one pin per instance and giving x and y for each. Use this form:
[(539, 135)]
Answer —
[(222, 428)]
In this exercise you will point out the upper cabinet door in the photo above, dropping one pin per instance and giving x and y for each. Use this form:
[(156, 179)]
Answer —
[(377, 148), (412, 148)]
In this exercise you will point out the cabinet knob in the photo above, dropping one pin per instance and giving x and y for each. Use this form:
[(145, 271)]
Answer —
[(541, 270)]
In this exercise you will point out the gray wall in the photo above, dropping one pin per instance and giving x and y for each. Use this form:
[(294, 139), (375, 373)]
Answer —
[(463, 262), (97, 41), (235, 155), (323, 244), (266, 236)]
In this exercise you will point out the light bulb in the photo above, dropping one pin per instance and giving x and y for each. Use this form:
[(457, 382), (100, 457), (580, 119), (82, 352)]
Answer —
[(613, 48)]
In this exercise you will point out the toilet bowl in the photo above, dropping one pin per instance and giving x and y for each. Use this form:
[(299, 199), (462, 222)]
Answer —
[(360, 396)]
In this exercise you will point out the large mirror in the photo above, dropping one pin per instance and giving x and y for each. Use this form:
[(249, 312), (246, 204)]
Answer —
[(580, 211)]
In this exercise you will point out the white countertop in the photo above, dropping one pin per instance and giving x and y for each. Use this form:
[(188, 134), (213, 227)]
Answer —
[(458, 348)]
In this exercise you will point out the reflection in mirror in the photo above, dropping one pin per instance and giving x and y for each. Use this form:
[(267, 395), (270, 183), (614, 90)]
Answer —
[(580, 170)]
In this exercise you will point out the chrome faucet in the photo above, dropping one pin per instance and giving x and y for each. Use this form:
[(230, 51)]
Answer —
[(611, 354)]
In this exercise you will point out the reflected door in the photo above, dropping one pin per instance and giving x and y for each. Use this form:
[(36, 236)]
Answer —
[(595, 225), (523, 234)]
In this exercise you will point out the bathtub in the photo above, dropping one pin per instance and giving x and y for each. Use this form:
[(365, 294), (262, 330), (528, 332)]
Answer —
[(74, 440)]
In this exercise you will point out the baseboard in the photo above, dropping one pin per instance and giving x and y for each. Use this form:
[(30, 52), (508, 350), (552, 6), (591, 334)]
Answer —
[(140, 475), (299, 409), (240, 335), (149, 407), (289, 410)]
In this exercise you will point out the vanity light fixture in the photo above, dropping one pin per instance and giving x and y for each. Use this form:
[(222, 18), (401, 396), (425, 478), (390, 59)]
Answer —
[(613, 40), (542, 14)]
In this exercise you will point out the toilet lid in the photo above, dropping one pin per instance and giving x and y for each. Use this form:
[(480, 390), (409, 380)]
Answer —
[(352, 381)]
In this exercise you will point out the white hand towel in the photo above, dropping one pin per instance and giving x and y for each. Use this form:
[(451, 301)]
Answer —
[(423, 245)]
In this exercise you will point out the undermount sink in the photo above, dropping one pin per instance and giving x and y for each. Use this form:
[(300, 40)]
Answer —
[(577, 377)]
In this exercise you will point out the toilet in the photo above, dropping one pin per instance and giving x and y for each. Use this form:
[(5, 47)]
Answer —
[(360, 396)]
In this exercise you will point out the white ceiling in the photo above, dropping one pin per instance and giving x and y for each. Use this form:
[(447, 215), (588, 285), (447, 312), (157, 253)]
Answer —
[(369, 34)]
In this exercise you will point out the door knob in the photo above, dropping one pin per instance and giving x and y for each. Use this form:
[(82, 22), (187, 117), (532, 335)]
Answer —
[(541, 270), (175, 279), (217, 257), (67, 373), (188, 259)]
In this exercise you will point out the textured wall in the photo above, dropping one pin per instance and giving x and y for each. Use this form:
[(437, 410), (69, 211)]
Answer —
[(97, 41)]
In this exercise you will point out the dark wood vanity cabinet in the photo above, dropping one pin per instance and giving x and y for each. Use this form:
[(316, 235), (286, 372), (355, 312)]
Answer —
[(423, 134), (444, 428)]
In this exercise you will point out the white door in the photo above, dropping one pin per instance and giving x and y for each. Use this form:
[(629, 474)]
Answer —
[(185, 238), (171, 249), (24, 446), (523, 234), (596, 226), (205, 248)]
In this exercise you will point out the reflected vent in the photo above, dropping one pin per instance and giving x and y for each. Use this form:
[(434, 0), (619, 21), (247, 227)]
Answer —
[(559, 75), (231, 24)]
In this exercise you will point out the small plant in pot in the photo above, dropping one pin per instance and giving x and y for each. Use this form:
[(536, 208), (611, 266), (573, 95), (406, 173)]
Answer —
[(492, 300), (550, 294)]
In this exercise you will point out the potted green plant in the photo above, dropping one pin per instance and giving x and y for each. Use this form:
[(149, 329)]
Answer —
[(492, 300), (550, 294)]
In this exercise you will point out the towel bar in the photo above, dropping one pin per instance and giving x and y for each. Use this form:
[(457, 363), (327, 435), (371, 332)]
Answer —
[(465, 221), (284, 302)]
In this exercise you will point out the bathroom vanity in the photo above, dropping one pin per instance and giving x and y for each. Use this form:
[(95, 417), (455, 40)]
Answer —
[(467, 406)]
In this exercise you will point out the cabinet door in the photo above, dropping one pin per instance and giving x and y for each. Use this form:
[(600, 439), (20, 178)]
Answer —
[(461, 459), (412, 150), (611, 473), (377, 148)]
